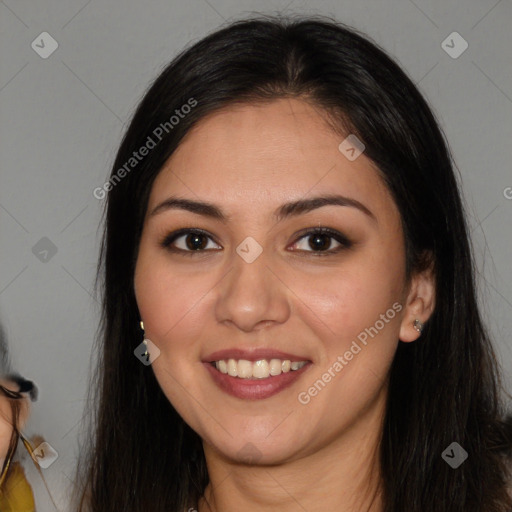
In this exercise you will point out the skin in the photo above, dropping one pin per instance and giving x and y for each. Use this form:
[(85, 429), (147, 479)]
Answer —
[(249, 160), (6, 417)]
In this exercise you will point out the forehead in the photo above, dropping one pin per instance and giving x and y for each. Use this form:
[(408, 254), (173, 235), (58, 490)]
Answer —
[(263, 155)]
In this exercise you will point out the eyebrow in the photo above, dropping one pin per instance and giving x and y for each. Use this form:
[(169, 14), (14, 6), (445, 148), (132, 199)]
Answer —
[(286, 210)]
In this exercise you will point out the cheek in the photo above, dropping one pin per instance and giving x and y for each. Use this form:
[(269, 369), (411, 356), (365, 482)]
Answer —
[(352, 297), (173, 308), (172, 303), (359, 308)]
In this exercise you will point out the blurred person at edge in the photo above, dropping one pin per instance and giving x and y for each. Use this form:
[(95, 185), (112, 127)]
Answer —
[(15, 491)]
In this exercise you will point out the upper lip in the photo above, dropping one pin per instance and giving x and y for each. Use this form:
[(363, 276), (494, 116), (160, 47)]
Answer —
[(252, 355)]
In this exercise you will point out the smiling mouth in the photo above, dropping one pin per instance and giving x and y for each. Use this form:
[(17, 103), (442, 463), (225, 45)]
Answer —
[(261, 369)]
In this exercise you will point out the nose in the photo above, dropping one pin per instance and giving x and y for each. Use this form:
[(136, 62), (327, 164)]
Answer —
[(252, 296)]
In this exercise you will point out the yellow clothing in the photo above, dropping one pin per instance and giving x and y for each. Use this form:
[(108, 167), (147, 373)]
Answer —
[(16, 494)]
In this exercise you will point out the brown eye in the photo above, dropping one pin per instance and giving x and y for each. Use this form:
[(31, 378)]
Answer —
[(190, 241), (320, 241)]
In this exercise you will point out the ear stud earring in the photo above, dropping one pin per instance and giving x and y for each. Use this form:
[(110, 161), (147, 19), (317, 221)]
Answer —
[(418, 325)]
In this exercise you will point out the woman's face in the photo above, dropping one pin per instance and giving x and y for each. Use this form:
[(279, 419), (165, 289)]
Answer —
[(259, 282)]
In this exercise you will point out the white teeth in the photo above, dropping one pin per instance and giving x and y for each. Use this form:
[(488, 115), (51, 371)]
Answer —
[(244, 369), (222, 366), (260, 369), (232, 368), (275, 366)]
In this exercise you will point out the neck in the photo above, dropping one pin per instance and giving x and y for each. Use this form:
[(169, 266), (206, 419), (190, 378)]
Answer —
[(344, 475)]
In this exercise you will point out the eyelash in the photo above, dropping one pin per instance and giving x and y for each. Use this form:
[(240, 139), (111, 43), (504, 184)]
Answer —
[(336, 235)]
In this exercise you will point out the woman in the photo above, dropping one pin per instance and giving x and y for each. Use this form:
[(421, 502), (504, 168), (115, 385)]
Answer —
[(285, 225), (15, 491)]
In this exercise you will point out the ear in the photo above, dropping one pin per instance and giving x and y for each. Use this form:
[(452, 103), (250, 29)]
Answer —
[(419, 304)]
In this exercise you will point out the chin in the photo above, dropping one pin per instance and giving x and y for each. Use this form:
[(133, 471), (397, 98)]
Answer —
[(258, 447)]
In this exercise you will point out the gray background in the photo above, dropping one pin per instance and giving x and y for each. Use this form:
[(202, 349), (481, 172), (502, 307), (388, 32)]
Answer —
[(62, 118)]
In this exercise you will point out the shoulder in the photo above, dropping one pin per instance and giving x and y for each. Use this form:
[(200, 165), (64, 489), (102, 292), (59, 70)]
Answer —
[(16, 493)]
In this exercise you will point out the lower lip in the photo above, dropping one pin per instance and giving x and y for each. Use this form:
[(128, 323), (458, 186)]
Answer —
[(254, 389)]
